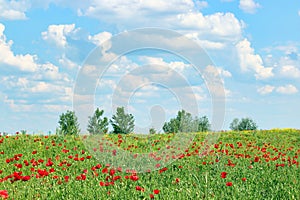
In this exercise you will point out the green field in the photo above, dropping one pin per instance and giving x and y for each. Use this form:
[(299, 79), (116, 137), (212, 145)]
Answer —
[(238, 165)]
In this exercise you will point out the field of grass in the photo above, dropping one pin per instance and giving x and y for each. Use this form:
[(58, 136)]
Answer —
[(238, 165)]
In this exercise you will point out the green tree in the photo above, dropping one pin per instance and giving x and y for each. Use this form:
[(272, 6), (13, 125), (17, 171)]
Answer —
[(243, 124), (183, 122), (121, 122), (203, 124), (97, 125), (171, 127), (68, 124), (152, 130), (234, 125)]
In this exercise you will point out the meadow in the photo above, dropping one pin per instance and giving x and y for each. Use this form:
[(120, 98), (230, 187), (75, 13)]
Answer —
[(238, 165)]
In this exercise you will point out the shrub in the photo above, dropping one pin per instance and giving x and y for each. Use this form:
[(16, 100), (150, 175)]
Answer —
[(121, 122), (243, 124), (68, 124), (184, 122), (97, 125), (203, 124)]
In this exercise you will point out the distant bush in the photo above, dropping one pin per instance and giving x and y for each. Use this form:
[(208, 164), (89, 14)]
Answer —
[(243, 124), (184, 122), (97, 125), (121, 122), (68, 124), (152, 131)]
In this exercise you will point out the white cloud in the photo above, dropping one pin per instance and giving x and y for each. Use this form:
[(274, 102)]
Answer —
[(211, 45), (100, 38), (58, 34), (67, 63), (266, 89), (251, 61), (175, 65), (299, 12), (14, 10), (103, 40), (137, 10), (26, 63), (218, 71), (249, 6), (206, 44), (287, 89), (201, 4), (290, 71), (43, 87), (218, 25), (181, 15)]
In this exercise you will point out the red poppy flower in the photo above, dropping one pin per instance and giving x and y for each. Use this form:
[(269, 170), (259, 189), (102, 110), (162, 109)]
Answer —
[(25, 178), (244, 179), (4, 194), (116, 178), (98, 166), (223, 175), (104, 170), (66, 178), (102, 183), (112, 172), (139, 188), (134, 177), (229, 184), (156, 191)]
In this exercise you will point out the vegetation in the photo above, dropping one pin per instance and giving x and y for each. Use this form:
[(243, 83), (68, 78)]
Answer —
[(184, 122), (243, 124), (152, 131), (238, 165), (121, 122), (68, 124), (97, 125)]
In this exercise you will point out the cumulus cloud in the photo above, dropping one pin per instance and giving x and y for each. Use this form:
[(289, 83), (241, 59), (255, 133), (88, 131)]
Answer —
[(218, 25), (290, 71), (133, 9), (42, 82), (100, 38), (67, 63), (14, 10), (266, 89), (201, 4), (249, 6), (287, 89), (57, 34), (249, 61), (26, 63), (180, 15), (218, 71)]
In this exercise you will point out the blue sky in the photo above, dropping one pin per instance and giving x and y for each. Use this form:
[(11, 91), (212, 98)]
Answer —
[(254, 45)]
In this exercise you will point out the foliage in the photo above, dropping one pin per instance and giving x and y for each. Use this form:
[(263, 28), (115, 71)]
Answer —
[(184, 122), (203, 124), (68, 124), (97, 125), (152, 131), (244, 124), (121, 122)]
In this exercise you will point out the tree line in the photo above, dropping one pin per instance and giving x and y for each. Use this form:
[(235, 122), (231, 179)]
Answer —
[(123, 123)]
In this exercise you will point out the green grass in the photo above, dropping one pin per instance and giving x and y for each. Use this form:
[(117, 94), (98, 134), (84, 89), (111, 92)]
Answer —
[(259, 159)]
